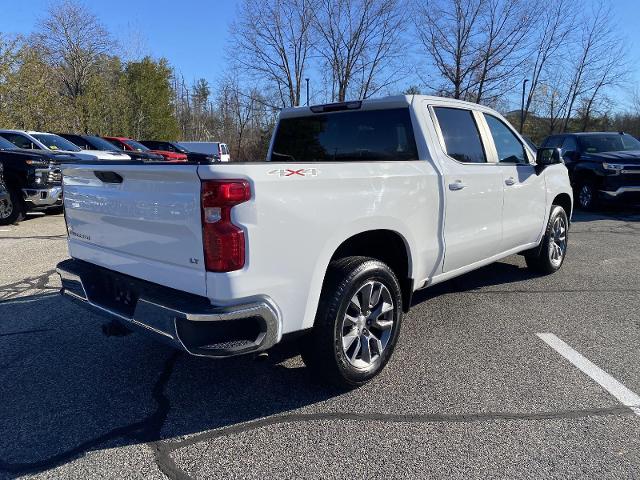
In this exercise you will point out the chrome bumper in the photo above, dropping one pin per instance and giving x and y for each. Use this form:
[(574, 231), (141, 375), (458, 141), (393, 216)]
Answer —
[(184, 321), (43, 197), (620, 191)]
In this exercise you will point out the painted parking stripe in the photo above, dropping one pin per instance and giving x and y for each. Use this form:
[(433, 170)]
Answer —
[(602, 378)]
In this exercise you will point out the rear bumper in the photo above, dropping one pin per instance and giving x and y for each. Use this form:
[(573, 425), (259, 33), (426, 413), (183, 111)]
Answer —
[(43, 197), (185, 321)]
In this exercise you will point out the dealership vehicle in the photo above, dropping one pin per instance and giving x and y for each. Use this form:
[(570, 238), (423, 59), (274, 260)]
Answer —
[(99, 143), (33, 181), (358, 205), (602, 165), (130, 145), (97, 146), (220, 150), (177, 148), (30, 140)]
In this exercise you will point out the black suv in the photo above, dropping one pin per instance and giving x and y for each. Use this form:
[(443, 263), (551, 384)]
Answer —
[(33, 181), (602, 165)]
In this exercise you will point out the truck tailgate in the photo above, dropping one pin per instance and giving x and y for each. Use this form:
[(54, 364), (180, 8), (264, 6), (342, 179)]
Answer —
[(141, 220)]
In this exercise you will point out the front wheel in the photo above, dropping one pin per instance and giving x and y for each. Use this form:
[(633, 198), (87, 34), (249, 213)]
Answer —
[(587, 196), (549, 256), (12, 209), (357, 324)]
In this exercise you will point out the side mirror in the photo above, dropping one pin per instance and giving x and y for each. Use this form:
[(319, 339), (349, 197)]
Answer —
[(546, 157)]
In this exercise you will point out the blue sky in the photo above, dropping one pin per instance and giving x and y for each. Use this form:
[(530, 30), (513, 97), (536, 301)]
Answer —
[(192, 34)]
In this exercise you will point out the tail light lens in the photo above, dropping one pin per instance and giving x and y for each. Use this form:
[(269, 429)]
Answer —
[(224, 243)]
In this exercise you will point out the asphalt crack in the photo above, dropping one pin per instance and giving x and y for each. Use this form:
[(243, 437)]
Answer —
[(171, 469), (26, 332), (145, 430)]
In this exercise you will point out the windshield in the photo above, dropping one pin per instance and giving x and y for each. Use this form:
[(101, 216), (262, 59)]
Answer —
[(136, 146), (101, 144), (612, 142), (6, 144), (54, 142)]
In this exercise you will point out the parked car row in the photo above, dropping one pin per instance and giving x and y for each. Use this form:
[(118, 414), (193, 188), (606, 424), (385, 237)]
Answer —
[(31, 163)]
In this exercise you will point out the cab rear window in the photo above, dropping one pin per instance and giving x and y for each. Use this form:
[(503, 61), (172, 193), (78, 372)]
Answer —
[(369, 135)]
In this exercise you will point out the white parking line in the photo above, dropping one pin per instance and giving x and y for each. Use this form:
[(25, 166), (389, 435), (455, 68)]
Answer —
[(606, 381)]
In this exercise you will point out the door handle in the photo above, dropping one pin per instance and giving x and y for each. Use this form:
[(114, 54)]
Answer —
[(510, 181), (457, 185)]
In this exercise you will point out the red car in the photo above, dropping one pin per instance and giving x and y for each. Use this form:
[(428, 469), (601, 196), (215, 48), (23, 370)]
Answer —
[(129, 145)]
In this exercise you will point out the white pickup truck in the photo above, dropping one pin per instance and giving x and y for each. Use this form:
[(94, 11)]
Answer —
[(357, 206)]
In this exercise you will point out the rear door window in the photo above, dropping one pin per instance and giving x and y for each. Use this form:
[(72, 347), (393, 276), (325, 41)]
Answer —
[(461, 136), (368, 135)]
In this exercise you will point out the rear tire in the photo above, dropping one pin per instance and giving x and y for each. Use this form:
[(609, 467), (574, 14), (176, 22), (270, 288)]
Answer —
[(550, 255), (357, 323), (12, 210)]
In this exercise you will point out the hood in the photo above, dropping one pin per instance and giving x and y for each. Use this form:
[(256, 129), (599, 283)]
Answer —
[(170, 155), (107, 155), (62, 155), (44, 155), (628, 157), (135, 155)]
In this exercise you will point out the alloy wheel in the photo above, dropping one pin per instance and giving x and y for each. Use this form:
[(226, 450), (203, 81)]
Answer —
[(367, 324), (586, 196), (558, 241)]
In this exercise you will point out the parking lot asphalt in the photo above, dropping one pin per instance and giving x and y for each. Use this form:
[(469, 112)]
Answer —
[(471, 392)]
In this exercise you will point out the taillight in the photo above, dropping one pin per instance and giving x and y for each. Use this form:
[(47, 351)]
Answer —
[(224, 245)]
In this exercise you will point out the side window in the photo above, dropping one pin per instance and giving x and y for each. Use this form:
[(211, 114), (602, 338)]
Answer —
[(508, 146), (20, 141), (569, 145), (461, 135), (552, 142), (116, 144)]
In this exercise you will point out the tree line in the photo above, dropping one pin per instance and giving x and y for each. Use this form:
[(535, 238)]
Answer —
[(567, 62)]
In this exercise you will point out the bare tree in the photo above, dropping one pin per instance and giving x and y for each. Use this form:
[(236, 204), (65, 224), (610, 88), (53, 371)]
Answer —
[(73, 40), (553, 27), (504, 27), (360, 43), (598, 60), (476, 46), (447, 30), (272, 39)]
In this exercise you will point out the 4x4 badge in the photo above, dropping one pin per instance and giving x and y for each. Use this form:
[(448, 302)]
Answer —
[(288, 172)]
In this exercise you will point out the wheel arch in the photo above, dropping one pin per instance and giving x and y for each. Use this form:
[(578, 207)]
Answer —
[(389, 247), (564, 200)]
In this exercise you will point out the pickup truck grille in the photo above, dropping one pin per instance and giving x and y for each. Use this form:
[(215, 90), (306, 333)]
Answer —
[(55, 176)]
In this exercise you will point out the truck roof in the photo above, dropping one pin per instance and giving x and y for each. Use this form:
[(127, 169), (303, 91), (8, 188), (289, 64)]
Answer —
[(395, 101)]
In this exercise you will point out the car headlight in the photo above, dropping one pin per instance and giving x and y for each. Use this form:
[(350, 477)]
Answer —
[(616, 167)]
